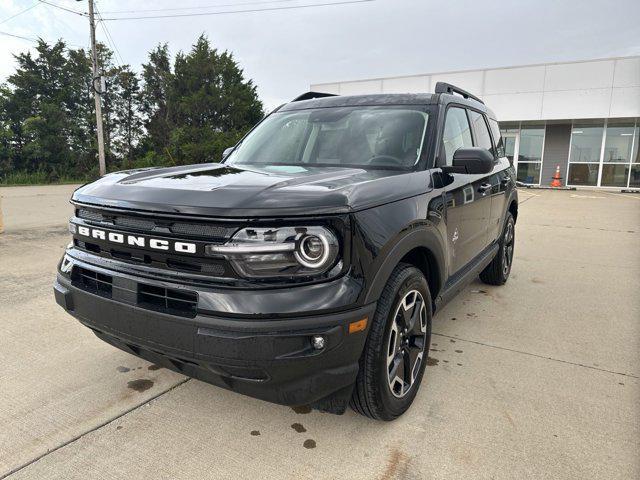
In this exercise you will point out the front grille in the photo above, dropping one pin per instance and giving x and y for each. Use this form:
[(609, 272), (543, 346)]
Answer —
[(167, 300), (135, 223), (163, 227), (187, 264), (212, 232), (90, 215), (200, 230), (92, 282)]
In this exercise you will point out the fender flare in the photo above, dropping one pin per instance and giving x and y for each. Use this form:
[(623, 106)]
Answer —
[(420, 236)]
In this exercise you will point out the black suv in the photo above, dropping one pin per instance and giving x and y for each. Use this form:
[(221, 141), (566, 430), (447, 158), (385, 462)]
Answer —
[(304, 269)]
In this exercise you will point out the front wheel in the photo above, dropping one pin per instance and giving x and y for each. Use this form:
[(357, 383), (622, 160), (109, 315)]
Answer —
[(497, 272), (395, 354)]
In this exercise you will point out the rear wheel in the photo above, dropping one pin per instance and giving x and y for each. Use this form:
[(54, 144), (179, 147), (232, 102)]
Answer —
[(395, 354), (497, 272)]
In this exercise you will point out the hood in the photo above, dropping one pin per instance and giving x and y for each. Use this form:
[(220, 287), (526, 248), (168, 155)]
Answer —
[(248, 191)]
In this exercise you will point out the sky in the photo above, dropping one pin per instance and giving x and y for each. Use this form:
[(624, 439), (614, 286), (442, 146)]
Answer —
[(285, 50)]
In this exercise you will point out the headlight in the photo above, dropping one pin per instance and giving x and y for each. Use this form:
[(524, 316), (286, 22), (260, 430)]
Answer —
[(280, 252)]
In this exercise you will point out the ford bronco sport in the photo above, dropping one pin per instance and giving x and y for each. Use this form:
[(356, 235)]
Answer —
[(304, 269)]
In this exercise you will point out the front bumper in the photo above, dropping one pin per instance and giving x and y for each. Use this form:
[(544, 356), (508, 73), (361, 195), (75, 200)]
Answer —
[(267, 358)]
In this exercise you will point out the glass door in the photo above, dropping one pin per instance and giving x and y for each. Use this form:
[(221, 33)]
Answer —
[(530, 148), (524, 144), (510, 146)]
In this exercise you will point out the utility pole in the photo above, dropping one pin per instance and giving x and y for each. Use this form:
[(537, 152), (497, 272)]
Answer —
[(97, 90)]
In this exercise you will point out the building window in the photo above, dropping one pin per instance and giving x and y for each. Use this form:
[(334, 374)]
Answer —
[(618, 149), (605, 153), (584, 156), (530, 149), (634, 176)]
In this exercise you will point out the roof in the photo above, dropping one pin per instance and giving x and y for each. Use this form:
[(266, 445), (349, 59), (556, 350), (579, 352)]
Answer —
[(359, 100), (382, 99)]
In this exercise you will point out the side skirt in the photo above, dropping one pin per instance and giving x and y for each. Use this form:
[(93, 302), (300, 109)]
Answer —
[(465, 276)]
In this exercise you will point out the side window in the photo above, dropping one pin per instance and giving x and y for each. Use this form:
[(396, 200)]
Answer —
[(480, 130), (497, 138), (457, 133)]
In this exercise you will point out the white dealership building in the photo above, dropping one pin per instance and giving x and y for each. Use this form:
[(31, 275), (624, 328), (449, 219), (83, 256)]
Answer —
[(582, 116)]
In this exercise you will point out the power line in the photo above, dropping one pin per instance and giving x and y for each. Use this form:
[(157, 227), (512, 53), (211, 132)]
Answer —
[(20, 13), (293, 7), (82, 14), (19, 36), (36, 40), (110, 39), (200, 7)]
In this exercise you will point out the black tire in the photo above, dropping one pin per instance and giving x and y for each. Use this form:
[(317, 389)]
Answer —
[(497, 272), (373, 395)]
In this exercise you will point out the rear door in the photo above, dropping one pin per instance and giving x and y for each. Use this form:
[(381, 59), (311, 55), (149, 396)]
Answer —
[(503, 183), (498, 179), (467, 196)]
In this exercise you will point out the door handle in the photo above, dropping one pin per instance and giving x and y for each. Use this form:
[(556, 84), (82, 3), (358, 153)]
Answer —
[(484, 187)]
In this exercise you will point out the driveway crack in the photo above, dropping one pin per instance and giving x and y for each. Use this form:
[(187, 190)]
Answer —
[(513, 350), (97, 427)]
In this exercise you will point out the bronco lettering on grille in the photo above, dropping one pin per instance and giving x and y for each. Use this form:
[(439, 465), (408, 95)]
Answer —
[(137, 240)]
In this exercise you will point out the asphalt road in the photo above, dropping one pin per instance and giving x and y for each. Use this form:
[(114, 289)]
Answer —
[(536, 379)]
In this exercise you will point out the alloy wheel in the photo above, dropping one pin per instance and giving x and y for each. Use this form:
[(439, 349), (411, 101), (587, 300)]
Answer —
[(507, 249), (407, 340)]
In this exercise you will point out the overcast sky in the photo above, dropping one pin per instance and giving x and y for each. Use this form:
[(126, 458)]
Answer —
[(286, 50)]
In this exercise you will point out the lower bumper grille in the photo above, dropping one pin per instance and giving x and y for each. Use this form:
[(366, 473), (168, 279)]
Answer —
[(167, 300), (182, 303), (93, 282)]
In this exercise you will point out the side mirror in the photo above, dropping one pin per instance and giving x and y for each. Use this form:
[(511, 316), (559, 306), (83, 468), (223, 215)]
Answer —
[(473, 160), (226, 152)]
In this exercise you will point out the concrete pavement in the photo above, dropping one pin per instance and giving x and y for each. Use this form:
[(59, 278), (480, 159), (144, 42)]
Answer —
[(536, 379)]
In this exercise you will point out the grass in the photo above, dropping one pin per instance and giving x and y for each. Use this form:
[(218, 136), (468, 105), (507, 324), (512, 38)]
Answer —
[(38, 178)]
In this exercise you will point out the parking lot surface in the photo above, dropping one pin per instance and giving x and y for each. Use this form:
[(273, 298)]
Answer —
[(536, 379)]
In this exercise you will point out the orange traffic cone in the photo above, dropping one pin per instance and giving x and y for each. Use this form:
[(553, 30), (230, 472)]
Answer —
[(555, 182)]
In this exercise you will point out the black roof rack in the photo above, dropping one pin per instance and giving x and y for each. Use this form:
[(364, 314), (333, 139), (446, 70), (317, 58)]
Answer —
[(442, 87), (311, 95)]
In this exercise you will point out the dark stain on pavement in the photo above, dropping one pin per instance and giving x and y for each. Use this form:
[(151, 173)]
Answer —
[(122, 369), (140, 385), (397, 465), (298, 427), (432, 361), (301, 409), (255, 433), (458, 351), (154, 367), (309, 443)]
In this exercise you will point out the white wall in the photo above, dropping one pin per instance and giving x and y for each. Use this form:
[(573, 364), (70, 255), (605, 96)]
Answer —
[(555, 91)]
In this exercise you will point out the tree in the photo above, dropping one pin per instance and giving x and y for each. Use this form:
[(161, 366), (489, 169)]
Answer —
[(185, 113), (40, 110), (128, 128), (210, 104), (157, 78)]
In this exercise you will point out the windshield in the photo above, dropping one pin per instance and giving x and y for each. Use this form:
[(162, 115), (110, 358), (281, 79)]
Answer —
[(377, 137)]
